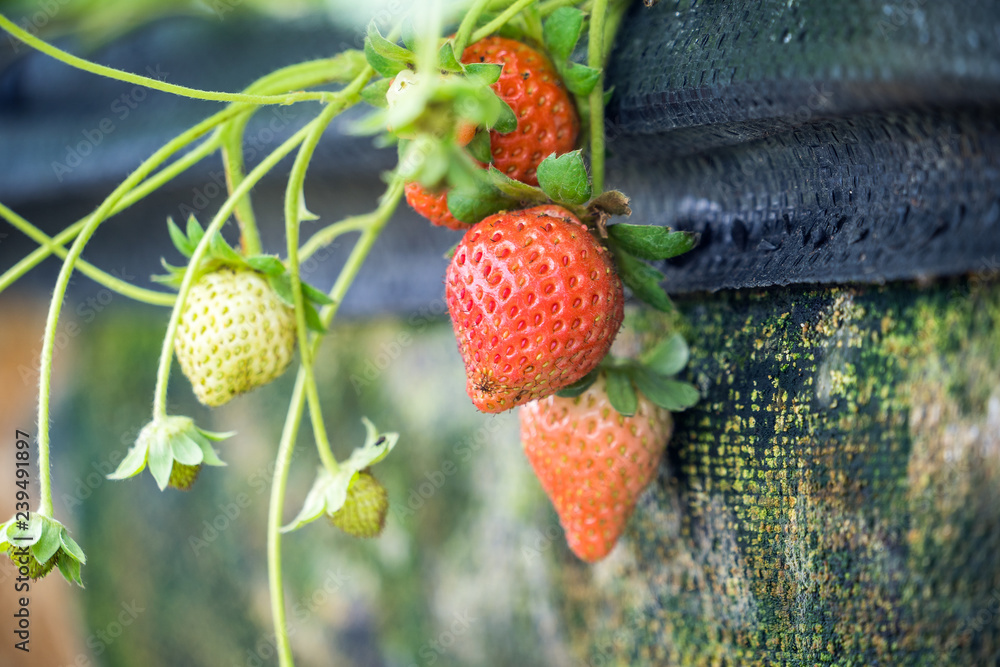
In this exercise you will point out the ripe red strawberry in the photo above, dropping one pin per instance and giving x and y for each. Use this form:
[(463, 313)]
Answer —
[(593, 462), (535, 303), (547, 121)]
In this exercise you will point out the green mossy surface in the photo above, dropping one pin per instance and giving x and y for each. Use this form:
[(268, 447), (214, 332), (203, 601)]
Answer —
[(832, 500)]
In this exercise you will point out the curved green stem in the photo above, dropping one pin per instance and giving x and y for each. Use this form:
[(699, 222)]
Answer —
[(166, 353), (500, 20), (595, 59), (232, 162), (155, 84), (387, 206), (328, 234), (111, 282), (466, 26), (62, 282), (293, 218)]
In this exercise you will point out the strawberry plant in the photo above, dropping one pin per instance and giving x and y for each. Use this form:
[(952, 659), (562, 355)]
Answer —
[(487, 122)]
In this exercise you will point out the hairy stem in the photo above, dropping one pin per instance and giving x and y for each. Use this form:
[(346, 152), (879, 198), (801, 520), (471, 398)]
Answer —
[(500, 20), (595, 59), (466, 26)]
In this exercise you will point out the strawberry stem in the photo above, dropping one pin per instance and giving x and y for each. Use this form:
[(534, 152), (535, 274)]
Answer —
[(500, 21), (232, 162), (466, 26), (595, 59), (128, 77)]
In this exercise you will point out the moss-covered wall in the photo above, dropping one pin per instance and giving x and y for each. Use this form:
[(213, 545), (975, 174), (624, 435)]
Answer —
[(835, 498)]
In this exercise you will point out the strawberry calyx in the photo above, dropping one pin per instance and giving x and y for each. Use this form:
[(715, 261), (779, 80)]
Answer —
[(366, 506), (175, 449), (41, 544), (652, 374), (221, 255)]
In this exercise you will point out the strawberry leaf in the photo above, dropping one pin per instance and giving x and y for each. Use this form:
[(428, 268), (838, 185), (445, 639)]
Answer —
[(179, 239), (670, 394), (479, 147), (506, 122), (643, 280), (580, 386), (486, 73), (562, 31), (621, 393), (652, 242), (564, 178), (668, 357), (266, 264), (374, 93), (580, 79)]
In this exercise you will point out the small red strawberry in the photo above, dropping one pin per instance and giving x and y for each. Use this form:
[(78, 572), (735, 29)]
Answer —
[(547, 121), (593, 462), (535, 303)]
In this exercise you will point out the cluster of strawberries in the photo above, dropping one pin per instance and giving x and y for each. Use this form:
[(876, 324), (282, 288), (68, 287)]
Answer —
[(536, 301), (536, 296)]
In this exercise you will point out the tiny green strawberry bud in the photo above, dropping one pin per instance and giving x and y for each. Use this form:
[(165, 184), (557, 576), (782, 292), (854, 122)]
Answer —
[(364, 511), (183, 476), (40, 543), (22, 557)]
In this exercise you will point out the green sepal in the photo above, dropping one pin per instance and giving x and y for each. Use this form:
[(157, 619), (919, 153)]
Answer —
[(69, 568), (667, 393), (185, 451), (47, 545), (314, 295), (479, 147), (267, 264), (45, 539), (506, 122), (408, 33), (219, 249), (70, 546), (652, 242), (562, 31), (386, 58), (580, 386), (446, 58), (472, 205), (668, 357), (522, 192), (160, 459), (621, 393), (167, 440), (608, 94), (282, 286), (329, 491), (195, 232), (179, 238), (564, 178), (451, 251), (313, 321), (374, 93), (643, 280), (580, 79), (486, 73)]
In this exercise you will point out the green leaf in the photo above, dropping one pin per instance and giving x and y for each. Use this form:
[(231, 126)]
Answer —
[(282, 286), (506, 122), (179, 239), (668, 357), (479, 147), (671, 394), (472, 205), (315, 295), (266, 264), (562, 31), (580, 386), (580, 79), (374, 93), (652, 242), (565, 178), (487, 73), (643, 280), (48, 543), (446, 58), (621, 394)]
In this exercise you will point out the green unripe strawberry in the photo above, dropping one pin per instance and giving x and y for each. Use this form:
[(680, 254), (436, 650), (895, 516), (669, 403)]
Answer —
[(363, 513), (235, 334), (36, 570), (183, 476)]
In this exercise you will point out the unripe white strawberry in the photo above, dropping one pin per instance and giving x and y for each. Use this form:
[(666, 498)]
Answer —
[(235, 334)]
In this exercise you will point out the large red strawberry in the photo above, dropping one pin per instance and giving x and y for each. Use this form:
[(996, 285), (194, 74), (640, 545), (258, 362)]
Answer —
[(547, 121), (535, 303), (593, 462)]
